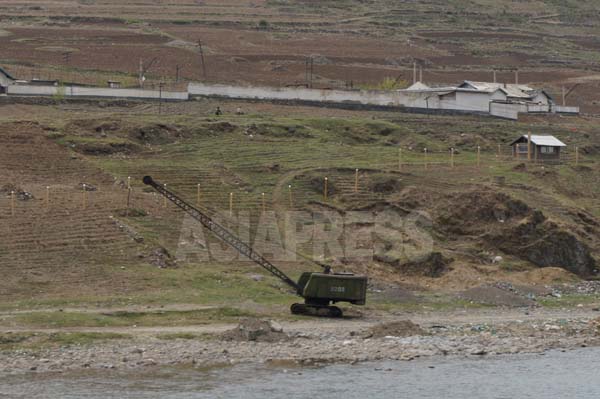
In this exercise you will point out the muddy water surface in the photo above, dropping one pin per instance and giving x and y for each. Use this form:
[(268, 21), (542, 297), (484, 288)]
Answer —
[(573, 374)]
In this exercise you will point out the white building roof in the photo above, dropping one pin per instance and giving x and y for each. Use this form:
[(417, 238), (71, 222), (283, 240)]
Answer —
[(418, 86), (511, 90), (549, 141)]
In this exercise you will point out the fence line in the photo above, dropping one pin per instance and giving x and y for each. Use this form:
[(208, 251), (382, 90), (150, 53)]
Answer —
[(60, 198)]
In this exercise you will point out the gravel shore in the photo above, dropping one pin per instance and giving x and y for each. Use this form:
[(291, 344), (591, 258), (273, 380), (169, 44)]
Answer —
[(309, 344)]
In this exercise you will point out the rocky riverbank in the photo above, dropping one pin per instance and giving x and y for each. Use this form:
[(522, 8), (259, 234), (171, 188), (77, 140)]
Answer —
[(309, 344)]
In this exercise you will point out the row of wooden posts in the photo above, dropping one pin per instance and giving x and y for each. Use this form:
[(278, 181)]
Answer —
[(478, 159), (84, 198)]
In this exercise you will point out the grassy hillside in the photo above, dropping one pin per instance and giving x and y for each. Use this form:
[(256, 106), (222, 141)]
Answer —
[(88, 249)]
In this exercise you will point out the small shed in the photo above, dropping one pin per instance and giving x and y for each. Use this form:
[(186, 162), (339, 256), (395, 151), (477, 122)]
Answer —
[(543, 148), (114, 84)]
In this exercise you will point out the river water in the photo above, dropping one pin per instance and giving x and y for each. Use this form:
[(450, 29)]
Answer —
[(573, 374)]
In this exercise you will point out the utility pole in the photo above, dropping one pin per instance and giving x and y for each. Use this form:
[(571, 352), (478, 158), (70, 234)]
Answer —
[(144, 69), (67, 59), (160, 87), (311, 71), (308, 72), (141, 74), (414, 72), (177, 69), (202, 59)]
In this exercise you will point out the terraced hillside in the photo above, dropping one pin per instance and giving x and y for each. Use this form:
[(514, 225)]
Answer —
[(67, 245), (49, 241)]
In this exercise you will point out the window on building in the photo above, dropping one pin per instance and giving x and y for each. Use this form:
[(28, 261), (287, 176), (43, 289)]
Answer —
[(547, 150), (522, 148)]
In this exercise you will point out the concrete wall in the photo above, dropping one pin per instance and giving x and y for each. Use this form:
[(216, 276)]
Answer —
[(507, 111), (537, 108), (68, 91), (386, 98), (565, 110), (464, 101)]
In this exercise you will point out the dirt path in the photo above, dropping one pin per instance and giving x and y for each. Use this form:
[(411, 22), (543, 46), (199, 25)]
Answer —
[(336, 326), (181, 307)]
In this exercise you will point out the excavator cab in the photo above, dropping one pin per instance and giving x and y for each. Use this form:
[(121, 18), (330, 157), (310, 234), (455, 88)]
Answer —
[(321, 289)]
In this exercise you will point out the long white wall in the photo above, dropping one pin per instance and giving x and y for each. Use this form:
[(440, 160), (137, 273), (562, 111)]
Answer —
[(403, 98), (459, 101), (75, 91), (366, 97), (507, 111)]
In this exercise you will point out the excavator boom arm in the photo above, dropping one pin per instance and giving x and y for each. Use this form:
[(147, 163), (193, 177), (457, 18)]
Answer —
[(220, 231)]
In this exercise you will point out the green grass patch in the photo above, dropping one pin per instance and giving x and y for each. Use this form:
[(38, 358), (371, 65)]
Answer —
[(127, 319), (569, 301), (32, 341)]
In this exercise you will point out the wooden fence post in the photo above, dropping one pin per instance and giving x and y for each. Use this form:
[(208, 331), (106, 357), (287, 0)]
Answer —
[(230, 204), (478, 156), (356, 181), (576, 156), (264, 204), (452, 157), (47, 197), (128, 202), (290, 195), (400, 159), (12, 203), (165, 198), (84, 196), (198, 194), (425, 157), (325, 189)]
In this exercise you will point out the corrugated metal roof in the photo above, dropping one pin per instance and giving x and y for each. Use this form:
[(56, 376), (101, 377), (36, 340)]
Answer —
[(549, 141), (511, 90)]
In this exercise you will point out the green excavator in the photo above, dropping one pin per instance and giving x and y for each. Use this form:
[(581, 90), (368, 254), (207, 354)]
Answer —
[(318, 289)]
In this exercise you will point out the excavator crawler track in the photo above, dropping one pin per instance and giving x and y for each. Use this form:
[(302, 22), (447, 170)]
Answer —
[(316, 310)]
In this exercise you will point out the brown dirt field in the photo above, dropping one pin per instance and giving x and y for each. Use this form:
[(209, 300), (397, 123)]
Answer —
[(62, 248), (111, 37)]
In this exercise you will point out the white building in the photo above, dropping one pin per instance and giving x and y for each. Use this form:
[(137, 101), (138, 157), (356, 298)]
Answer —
[(480, 97)]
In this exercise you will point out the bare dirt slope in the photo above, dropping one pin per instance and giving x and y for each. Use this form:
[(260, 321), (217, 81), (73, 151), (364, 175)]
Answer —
[(56, 247)]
